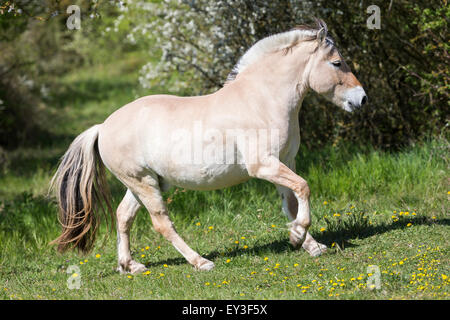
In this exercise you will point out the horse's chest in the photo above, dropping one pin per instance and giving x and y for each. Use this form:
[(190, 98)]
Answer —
[(289, 141)]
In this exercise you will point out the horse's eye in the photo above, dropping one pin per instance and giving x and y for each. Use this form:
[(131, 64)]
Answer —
[(336, 63)]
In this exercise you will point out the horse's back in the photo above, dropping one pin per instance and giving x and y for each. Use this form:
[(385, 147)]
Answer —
[(143, 136)]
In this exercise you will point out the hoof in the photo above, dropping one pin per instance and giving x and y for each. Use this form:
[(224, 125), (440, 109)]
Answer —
[(132, 267), (136, 267), (205, 265), (315, 249)]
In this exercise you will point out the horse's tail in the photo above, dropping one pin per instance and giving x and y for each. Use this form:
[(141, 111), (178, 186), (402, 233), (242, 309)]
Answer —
[(82, 193)]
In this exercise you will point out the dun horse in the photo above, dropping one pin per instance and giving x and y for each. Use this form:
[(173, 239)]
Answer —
[(138, 144)]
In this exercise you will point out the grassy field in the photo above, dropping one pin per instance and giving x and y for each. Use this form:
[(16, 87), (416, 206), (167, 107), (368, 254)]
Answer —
[(387, 210)]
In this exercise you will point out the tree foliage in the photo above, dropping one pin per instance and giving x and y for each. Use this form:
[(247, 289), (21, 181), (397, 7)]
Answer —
[(403, 66), (192, 45)]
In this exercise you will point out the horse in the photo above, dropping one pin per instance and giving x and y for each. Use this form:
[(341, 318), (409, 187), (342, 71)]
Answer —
[(136, 143)]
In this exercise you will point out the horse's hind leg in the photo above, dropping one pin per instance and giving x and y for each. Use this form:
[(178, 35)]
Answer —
[(148, 191), (126, 213)]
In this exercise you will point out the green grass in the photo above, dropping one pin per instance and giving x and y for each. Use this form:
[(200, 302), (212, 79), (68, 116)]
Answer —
[(369, 207)]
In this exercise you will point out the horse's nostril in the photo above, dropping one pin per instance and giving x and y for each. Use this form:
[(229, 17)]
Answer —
[(364, 100)]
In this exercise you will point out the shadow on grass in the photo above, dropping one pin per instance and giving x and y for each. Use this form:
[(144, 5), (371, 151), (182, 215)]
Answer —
[(340, 236)]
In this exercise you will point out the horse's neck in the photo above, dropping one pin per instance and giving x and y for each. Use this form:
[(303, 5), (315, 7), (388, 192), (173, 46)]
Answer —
[(274, 84), (272, 90)]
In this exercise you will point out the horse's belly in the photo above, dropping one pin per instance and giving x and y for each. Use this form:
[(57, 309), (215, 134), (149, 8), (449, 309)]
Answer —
[(205, 177)]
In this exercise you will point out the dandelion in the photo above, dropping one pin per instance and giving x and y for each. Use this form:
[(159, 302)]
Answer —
[(210, 227), (161, 274), (165, 266), (243, 238), (74, 275), (266, 258), (246, 246), (296, 265), (325, 202), (142, 255), (147, 247), (273, 226), (147, 272), (130, 277), (228, 261), (444, 277), (236, 242), (198, 224), (207, 283), (409, 224), (98, 255), (322, 229), (336, 215)]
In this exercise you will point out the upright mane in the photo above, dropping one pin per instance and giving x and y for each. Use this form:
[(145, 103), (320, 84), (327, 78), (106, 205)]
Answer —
[(277, 42)]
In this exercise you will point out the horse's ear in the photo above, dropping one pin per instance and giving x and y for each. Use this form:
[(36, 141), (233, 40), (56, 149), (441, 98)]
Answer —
[(321, 34), (323, 30)]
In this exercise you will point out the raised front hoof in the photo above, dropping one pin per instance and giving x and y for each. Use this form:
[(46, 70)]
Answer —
[(315, 249), (204, 265), (132, 267)]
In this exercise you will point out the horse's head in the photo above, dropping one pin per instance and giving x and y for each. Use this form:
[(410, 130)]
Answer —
[(331, 77)]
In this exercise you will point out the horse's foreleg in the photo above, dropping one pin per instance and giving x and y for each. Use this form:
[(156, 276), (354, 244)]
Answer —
[(126, 213), (290, 209), (278, 173)]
